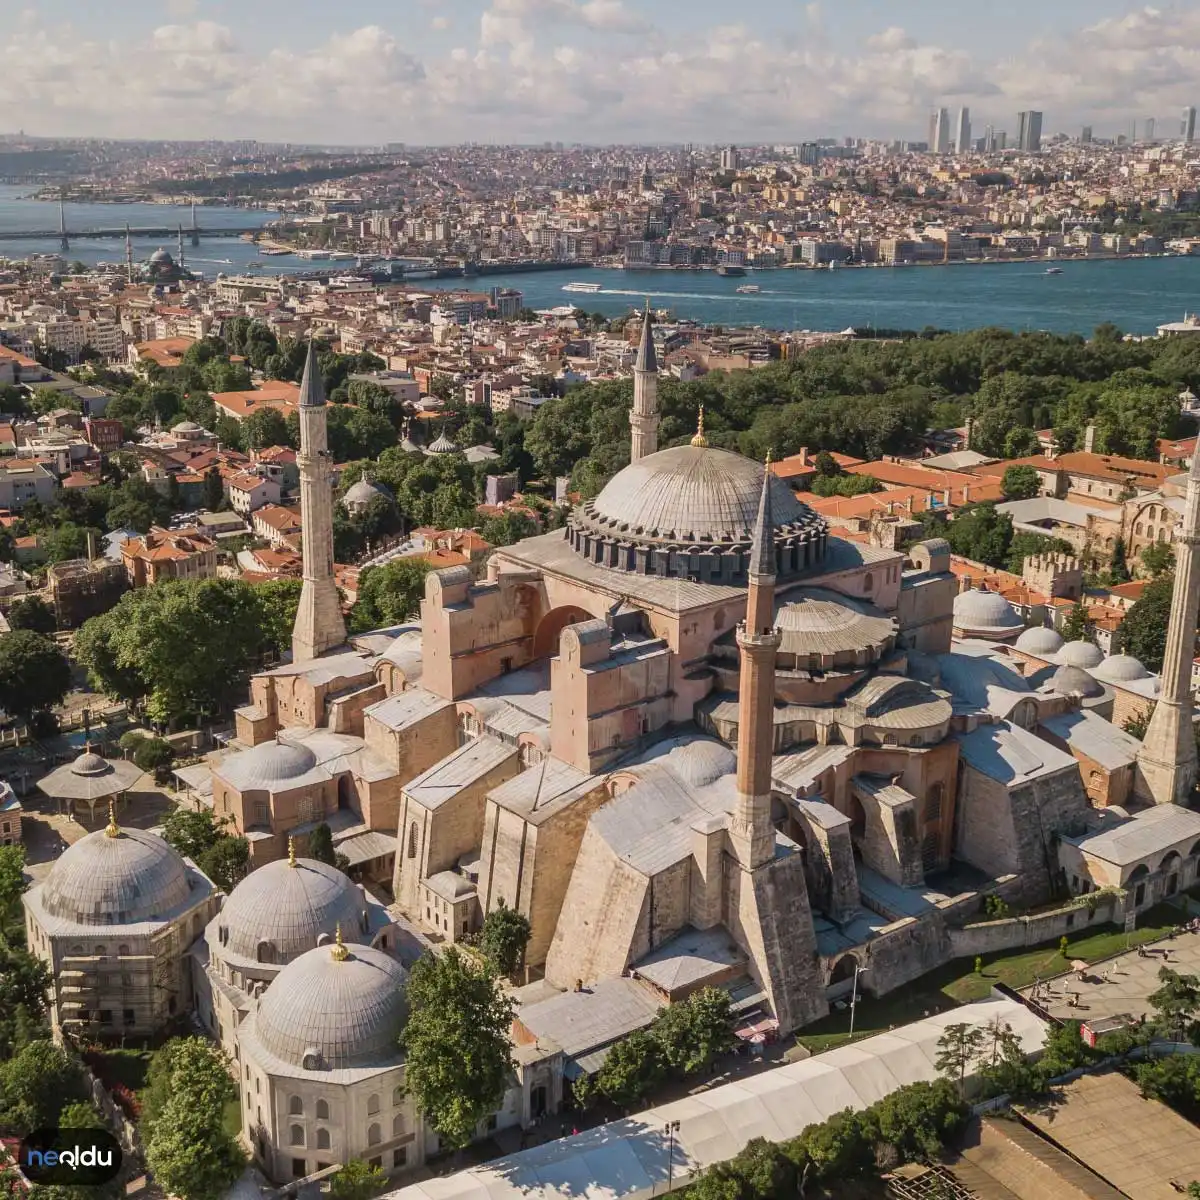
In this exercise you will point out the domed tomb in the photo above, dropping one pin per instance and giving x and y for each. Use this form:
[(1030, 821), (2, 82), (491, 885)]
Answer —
[(690, 512), (1070, 680), (979, 613), (288, 906), (270, 767), (116, 877), (1040, 640), (334, 1007), (1121, 668), (1080, 654)]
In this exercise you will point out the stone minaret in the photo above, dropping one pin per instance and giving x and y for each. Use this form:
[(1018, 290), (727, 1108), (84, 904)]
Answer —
[(1166, 765), (750, 830), (643, 420), (319, 625)]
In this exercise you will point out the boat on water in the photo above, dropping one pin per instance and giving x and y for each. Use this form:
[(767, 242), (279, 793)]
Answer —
[(274, 252), (1054, 270), (313, 255), (749, 289), (590, 288), (731, 272)]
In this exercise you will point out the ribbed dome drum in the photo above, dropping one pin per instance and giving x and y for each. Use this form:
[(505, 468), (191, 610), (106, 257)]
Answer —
[(325, 1011), (289, 907), (690, 511), (104, 880)]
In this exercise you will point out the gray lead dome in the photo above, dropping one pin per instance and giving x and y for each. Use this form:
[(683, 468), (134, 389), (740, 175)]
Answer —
[(289, 907), (326, 1013), (122, 880), (690, 511)]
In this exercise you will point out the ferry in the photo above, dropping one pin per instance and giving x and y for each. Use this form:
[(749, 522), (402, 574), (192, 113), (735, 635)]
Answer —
[(749, 289), (313, 255), (731, 272), (274, 252), (590, 288), (1054, 270)]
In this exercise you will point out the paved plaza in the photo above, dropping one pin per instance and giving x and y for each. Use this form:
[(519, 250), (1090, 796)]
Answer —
[(1121, 984)]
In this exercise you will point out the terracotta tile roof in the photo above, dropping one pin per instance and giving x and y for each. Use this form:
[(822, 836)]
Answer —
[(1110, 467), (274, 393)]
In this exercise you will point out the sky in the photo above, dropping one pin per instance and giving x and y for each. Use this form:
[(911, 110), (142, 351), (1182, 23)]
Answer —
[(428, 72)]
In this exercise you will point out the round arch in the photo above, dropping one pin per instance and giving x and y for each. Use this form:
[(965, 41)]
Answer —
[(545, 637)]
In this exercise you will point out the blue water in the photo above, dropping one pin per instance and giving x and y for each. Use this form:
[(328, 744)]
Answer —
[(1136, 294)]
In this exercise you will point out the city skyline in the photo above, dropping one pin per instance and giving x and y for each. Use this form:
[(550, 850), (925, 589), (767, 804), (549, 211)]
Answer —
[(593, 71)]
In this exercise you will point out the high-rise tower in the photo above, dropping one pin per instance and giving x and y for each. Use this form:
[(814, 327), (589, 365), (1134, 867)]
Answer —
[(64, 242), (1166, 764), (643, 419), (1187, 125), (750, 830), (319, 625), (962, 133), (128, 253)]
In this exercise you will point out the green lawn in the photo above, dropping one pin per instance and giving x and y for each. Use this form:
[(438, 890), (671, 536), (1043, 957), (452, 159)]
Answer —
[(123, 1065), (957, 983)]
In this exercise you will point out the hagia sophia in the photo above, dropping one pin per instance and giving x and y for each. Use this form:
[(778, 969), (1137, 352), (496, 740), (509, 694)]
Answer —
[(694, 737)]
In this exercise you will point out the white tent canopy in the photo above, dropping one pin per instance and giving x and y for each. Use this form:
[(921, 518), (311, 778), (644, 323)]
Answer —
[(627, 1159)]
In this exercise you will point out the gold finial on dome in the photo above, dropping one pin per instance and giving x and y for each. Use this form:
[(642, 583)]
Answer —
[(112, 829), (698, 439), (339, 953), (768, 458), (291, 852)]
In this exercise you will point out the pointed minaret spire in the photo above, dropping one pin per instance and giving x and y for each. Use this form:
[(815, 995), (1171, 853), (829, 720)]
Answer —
[(750, 830), (319, 623), (63, 242), (180, 245), (1166, 763), (128, 253), (643, 420)]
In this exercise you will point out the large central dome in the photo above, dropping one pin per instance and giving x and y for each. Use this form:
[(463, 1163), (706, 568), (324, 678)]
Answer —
[(690, 511)]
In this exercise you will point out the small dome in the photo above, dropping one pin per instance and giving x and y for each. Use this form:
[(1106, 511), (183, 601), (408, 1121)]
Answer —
[(105, 880), (364, 491), (984, 611), (1080, 654), (443, 445), (289, 907), (185, 427), (697, 761), (1121, 668), (162, 257), (1040, 640), (335, 1007), (1069, 680), (89, 763), (268, 767)]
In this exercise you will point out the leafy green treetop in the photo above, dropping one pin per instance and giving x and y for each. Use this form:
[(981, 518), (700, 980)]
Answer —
[(504, 937), (357, 1180), (456, 1042), (958, 1048), (1020, 483)]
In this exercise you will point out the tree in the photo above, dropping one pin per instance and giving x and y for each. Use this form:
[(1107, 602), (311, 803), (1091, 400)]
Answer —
[(1021, 483), (1177, 1002), (1019, 442), (278, 600), (214, 489), (958, 1047), (1138, 722), (918, 1120), (456, 1040), (357, 1180), (34, 673), (153, 754), (1076, 626), (32, 612), (81, 1114), (188, 1150), (1118, 568), (190, 833), (1065, 1050), (34, 1085), (633, 1067), (1143, 632), (1158, 559), (503, 939), (265, 427), (227, 863), (692, 1034), (980, 533), (12, 880), (389, 595), (320, 845), (24, 983)]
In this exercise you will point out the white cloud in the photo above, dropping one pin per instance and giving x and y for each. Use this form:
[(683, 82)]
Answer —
[(570, 69)]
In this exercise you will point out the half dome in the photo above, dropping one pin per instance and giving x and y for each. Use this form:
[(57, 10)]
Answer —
[(335, 1007), (122, 880)]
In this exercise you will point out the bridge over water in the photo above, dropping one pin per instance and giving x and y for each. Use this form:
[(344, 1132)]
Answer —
[(143, 231)]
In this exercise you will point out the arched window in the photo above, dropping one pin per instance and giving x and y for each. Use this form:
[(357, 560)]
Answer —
[(374, 1136), (398, 1125), (296, 1107), (398, 1094), (868, 582), (297, 1138), (322, 1110), (266, 952), (322, 1139), (412, 840), (123, 948), (372, 1105), (98, 951)]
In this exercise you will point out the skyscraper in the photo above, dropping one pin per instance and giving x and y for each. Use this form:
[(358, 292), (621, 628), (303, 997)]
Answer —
[(1029, 131), (1187, 127), (1086, 135), (939, 131), (989, 139), (962, 139), (729, 158), (1166, 762), (1149, 129), (319, 625)]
